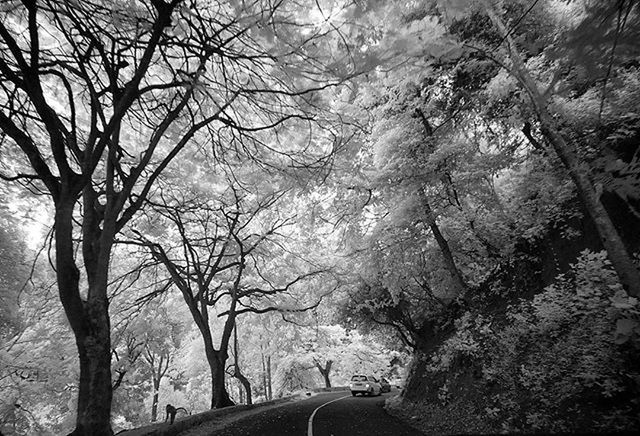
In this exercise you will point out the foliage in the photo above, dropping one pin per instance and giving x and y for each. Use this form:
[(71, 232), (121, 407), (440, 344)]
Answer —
[(13, 277), (98, 100), (339, 352), (293, 376), (554, 357), (39, 374), (210, 147)]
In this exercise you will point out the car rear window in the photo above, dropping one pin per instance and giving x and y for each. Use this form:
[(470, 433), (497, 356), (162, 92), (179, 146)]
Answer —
[(359, 378)]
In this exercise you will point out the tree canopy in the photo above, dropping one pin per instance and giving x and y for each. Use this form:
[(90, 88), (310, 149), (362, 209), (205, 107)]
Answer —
[(212, 202)]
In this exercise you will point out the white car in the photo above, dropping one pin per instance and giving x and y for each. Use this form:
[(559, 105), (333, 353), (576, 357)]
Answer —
[(365, 385)]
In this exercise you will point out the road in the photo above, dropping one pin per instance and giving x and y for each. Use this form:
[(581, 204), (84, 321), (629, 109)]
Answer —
[(334, 414)]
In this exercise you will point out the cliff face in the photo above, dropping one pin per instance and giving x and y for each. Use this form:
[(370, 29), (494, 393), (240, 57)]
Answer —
[(547, 343)]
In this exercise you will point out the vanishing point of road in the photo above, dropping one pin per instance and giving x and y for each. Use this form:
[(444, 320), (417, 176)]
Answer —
[(328, 414)]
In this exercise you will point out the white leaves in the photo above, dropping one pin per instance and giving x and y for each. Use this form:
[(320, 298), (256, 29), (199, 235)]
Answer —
[(458, 9), (425, 38), (501, 86)]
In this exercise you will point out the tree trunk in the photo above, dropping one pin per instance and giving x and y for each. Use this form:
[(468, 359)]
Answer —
[(154, 407), (237, 373), (327, 381), (91, 327), (215, 358), (449, 261), (154, 403), (325, 371), (264, 374), (241, 394), (94, 391), (578, 171), (269, 384), (245, 383), (219, 395)]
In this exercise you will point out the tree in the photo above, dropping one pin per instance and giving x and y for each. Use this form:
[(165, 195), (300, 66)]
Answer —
[(97, 101), (13, 277), (84, 159), (217, 261), (237, 371), (149, 348), (477, 111), (578, 170), (37, 377), (445, 153), (323, 354)]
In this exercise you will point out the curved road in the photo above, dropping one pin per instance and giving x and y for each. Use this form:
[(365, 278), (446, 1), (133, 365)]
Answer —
[(334, 414)]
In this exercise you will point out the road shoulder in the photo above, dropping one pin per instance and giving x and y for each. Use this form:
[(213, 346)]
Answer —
[(217, 419)]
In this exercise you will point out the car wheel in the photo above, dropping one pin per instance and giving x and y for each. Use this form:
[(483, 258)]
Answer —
[(353, 393)]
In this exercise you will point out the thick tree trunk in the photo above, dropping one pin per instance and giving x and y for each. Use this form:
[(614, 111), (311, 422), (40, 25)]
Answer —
[(219, 395), (94, 391), (91, 327), (578, 171), (215, 358)]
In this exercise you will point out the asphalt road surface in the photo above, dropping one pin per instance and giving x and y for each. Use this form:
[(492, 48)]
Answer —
[(330, 414)]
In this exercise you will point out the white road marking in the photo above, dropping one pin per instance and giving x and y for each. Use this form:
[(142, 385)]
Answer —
[(310, 426)]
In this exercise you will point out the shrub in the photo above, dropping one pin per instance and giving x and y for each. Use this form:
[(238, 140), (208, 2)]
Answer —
[(563, 361)]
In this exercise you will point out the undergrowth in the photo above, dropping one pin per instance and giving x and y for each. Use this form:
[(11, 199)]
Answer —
[(565, 361)]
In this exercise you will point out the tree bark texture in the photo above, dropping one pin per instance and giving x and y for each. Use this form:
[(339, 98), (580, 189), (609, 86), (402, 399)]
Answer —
[(578, 171)]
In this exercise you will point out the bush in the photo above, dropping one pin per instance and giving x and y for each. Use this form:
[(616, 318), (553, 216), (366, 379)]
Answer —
[(561, 362)]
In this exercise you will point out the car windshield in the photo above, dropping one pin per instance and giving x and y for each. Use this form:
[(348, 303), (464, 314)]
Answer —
[(359, 378)]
